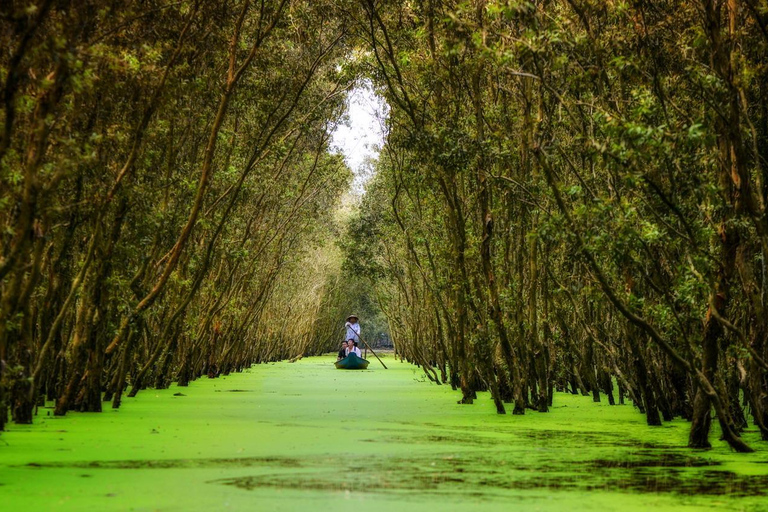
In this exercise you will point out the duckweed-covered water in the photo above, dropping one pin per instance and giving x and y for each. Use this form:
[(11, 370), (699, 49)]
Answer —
[(305, 436)]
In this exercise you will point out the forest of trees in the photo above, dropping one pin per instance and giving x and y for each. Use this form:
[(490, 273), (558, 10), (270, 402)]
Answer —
[(166, 192), (572, 196)]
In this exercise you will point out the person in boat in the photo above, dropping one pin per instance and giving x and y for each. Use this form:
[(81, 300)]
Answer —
[(342, 351), (353, 329), (352, 348)]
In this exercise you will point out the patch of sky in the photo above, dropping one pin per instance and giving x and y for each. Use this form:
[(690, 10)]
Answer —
[(360, 134)]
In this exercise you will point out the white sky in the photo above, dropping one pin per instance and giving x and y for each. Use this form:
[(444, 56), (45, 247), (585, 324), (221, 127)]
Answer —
[(360, 136)]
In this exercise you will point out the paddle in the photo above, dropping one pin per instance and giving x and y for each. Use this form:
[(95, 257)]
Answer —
[(368, 347)]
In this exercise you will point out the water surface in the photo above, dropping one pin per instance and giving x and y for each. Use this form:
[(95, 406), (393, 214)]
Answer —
[(304, 436)]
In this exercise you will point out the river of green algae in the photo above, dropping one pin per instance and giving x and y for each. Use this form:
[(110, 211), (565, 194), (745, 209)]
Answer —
[(305, 436)]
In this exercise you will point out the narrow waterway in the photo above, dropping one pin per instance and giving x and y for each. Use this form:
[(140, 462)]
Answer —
[(305, 436)]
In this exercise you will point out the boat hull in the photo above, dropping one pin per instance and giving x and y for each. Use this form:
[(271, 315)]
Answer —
[(352, 362)]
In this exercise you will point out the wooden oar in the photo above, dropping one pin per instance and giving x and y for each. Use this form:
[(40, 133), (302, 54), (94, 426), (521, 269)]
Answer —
[(369, 347)]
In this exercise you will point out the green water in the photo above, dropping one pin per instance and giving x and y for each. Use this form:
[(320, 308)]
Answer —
[(305, 436)]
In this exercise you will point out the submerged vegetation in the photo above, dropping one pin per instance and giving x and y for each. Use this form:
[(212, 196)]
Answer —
[(572, 196)]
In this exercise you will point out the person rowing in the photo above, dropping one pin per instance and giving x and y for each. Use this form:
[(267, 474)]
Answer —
[(353, 329)]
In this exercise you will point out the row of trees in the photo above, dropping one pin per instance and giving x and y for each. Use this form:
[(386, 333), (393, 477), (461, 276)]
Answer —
[(164, 177), (573, 196)]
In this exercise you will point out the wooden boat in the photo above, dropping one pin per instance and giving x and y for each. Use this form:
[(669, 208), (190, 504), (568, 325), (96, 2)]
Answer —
[(352, 362)]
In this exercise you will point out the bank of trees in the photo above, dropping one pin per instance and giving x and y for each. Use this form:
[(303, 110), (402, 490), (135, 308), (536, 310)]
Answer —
[(163, 168), (573, 196)]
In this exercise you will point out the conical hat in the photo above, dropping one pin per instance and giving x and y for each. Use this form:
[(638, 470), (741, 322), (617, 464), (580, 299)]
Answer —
[(352, 316)]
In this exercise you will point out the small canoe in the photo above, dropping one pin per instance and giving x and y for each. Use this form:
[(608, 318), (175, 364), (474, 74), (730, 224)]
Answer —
[(352, 362)]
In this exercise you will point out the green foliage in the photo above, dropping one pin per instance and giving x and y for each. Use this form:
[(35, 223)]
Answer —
[(560, 170)]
